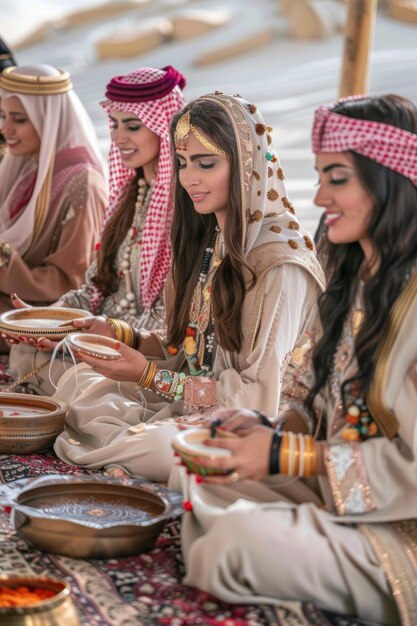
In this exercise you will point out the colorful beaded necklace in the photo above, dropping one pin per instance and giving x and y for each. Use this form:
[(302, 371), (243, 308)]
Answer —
[(199, 334)]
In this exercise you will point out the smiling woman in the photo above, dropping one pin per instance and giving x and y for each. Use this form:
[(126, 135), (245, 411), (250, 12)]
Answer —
[(243, 282), (52, 185), (138, 145), (125, 280), (333, 490), (19, 132), (205, 176), (347, 203)]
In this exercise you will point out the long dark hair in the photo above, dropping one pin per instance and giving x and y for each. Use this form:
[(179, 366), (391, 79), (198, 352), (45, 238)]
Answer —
[(393, 235), (107, 278), (191, 234)]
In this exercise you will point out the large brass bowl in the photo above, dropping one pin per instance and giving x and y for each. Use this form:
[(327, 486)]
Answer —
[(29, 423), (56, 611), (53, 322), (89, 516)]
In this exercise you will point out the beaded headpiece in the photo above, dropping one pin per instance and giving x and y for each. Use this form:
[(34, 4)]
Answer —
[(35, 85), (182, 132)]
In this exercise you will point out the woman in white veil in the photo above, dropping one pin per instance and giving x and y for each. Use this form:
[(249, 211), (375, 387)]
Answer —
[(53, 191)]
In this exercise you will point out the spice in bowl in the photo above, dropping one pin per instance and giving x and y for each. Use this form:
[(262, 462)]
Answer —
[(23, 595)]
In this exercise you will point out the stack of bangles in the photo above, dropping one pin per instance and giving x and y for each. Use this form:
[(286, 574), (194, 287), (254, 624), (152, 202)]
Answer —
[(124, 333), (166, 383), (292, 454)]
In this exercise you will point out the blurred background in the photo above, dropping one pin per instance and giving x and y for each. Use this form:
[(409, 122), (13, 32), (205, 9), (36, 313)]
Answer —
[(284, 55)]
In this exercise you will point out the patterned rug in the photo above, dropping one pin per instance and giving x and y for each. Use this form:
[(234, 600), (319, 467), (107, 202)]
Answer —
[(5, 373), (143, 590)]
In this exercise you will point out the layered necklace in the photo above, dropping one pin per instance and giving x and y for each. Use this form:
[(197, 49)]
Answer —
[(199, 339), (133, 239)]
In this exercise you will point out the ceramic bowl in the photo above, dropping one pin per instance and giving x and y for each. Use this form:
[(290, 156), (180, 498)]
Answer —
[(188, 444), (94, 345)]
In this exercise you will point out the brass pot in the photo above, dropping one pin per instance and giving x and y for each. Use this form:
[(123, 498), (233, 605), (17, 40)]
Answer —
[(89, 517), (56, 611), (29, 424)]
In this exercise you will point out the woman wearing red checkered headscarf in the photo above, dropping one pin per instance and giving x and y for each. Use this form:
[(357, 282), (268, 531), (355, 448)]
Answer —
[(324, 509), (125, 280)]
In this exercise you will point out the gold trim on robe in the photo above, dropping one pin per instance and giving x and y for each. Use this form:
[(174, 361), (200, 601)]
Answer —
[(381, 413), (348, 479), (395, 545)]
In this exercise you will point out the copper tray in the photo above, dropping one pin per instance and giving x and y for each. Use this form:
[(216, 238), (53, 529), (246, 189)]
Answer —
[(89, 516), (28, 423), (40, 321)]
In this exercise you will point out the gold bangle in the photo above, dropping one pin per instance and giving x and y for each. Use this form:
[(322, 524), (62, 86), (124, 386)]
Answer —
[(152, 374), (314, 459), (123, 332), (148, 375), (296, 455), (283, 454), (120, 331), (112, 325), (301, 442), (130, 335), (144, 374), (308, 454)]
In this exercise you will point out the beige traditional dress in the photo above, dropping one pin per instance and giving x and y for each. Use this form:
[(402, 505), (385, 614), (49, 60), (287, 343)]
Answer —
[(348, 540), (118, 425), (51, 204), (56, 262), (24, 358)]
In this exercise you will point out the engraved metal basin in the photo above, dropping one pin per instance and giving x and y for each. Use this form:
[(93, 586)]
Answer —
[(56, 611), (90, 516), (28, 423)]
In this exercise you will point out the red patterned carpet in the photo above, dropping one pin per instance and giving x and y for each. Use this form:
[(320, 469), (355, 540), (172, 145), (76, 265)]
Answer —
[(144, 590)]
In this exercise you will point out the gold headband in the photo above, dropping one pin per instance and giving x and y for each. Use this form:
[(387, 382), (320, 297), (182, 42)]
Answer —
[(35, 85), (182, 132)]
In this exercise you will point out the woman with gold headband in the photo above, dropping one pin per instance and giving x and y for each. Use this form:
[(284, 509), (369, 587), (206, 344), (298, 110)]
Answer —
[(124, 282), (52, 186), (6, 60), (328, 510), (244, 281)]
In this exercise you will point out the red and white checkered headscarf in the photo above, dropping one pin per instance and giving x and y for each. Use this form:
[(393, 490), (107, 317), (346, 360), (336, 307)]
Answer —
[(386, 144), (156, 113)]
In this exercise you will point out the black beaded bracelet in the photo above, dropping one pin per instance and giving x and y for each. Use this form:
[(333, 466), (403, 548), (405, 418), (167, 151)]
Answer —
[(274, 453), (265, 421)]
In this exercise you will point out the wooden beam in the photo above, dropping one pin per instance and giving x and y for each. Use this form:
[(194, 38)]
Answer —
[(358, 42)]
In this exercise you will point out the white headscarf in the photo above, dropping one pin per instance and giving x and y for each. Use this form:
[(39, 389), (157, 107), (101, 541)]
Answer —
[(62, 123)]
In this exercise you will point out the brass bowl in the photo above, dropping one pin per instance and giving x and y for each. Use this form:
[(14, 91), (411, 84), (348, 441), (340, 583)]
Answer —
[(90, 516), (40, 321), (56, 611), (28, 423)]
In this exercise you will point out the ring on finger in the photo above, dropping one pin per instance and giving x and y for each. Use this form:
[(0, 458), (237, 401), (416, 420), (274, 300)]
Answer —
[(234, 477)]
